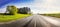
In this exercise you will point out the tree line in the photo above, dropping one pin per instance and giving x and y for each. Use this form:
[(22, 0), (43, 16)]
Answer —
[(12, 10)]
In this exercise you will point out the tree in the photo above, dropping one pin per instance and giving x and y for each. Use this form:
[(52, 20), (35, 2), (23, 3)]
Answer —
[(24, 10), (12, 10)]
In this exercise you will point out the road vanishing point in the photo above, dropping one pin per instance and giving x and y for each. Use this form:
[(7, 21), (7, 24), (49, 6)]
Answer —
[(34, 21)]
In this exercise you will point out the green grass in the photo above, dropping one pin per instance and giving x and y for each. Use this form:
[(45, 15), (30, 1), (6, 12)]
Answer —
[(6, 18), (52, 15)]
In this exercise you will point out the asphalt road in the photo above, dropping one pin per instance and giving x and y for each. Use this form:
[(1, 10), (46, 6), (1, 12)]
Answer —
[(34, 21)]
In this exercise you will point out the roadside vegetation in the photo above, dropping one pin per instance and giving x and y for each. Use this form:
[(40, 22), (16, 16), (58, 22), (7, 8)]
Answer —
[(52, 15), (12, 13), (6, 18)]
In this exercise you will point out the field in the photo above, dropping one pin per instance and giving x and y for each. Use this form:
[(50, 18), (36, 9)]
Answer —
[(52, 15), (6, 18)]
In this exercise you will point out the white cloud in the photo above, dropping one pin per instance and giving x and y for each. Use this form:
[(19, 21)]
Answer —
[(2, 10), (48, 6)]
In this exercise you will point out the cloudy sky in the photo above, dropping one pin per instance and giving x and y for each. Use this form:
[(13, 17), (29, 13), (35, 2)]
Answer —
[(37, 6)]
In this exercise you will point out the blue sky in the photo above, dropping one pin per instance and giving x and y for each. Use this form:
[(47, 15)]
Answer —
[(37, 6), (4, 2)]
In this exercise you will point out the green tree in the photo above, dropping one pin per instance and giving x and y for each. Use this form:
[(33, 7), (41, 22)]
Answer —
[(12, 10), (24, 10)]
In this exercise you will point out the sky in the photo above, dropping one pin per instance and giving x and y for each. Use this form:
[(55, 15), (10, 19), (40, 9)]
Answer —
[(37, 6)]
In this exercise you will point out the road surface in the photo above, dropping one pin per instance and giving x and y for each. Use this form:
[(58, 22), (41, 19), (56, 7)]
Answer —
[(34, 21)]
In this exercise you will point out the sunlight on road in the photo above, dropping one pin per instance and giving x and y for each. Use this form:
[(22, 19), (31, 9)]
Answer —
[(51, 20)]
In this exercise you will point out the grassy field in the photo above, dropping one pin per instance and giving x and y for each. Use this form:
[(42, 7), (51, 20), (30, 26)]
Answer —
[(6, 18), (52, 15)]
